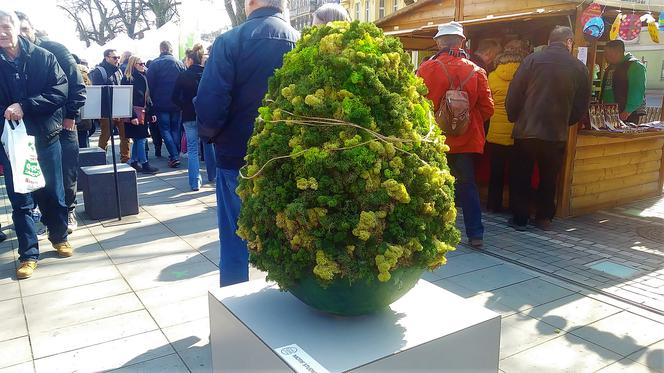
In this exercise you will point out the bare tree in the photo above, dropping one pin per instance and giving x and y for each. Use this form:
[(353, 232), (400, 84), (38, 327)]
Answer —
[(235, 10), (98, 21)]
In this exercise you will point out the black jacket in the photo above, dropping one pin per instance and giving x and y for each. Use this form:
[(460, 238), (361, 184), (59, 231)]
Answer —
[(35, 81), (113, 74), (76, 96), (185, 90), (140, 90), (550, 92), (161, 76)]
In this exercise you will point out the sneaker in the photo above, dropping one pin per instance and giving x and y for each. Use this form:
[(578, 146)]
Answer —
[(72, 224), (135, 166), (26, 269), (147, 169), (174, 163), (65, 249), (517, 227), (36, 215), (477, 243)]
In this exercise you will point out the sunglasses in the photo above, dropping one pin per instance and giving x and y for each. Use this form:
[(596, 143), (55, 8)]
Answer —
[(115, 57), (140, 63)]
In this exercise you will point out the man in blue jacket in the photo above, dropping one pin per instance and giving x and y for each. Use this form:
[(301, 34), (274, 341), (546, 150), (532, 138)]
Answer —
[(229, 95), (162, 74), (33, 88)]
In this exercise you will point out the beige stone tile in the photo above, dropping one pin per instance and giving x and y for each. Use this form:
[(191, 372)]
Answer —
[(171, 364), (51, 318), (520, 332), (566, 353), (491, 278), (191, 340), (80, 294), (26, 367), (153, 249), (90, 333), (14, 351), (38, 284), (178, 291), (626, 365), (110, 355), (572, 312), (52, 265), (651, 356), (13, 320), (623, 333), (9, 290), (180, 312), (166, 270)]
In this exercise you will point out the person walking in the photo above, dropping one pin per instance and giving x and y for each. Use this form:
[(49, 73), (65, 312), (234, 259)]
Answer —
[(137, 127), (33, 89), (449, 68), (229, 95), (68, 137), (624, 82), (550, 92), (499, 139), (186, 87), (108, 73), (161, 76), (84, 127), (328, 13)]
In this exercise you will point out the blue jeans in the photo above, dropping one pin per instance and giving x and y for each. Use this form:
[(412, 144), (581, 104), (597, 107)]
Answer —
[(138, 152), (463, 169), (169, 127), (234, 261), (193, 162), (69, 144), (51, 200)]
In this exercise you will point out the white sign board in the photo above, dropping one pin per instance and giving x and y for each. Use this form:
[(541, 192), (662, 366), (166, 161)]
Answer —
[(583, 55), (122, 102)]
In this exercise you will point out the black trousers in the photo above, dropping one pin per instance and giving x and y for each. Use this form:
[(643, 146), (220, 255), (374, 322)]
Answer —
[(549, 156), (156, 138), (500, 158)]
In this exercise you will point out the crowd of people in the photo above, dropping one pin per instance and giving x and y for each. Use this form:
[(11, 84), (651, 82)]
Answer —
[(519, 105)]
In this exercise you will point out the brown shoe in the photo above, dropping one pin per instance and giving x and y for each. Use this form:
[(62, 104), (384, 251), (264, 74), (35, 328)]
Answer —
[(543, 224), (26, 269), (477, 243), (65, 250)]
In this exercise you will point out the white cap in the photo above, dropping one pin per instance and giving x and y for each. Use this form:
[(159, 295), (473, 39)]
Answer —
[(451, 28)]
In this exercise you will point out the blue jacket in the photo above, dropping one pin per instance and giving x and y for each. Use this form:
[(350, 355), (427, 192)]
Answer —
[(161, 79), (235, 81)]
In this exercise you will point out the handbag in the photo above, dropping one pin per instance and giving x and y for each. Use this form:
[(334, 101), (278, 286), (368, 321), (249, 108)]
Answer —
[(22, 154)]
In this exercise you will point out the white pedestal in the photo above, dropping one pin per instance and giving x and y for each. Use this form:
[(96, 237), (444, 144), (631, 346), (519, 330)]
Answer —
[(429, 329)]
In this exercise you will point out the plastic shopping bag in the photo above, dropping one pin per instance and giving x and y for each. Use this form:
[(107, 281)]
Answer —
[(22, 155)]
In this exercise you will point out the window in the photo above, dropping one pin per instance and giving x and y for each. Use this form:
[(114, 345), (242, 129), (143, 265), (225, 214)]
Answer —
[(395, 5), (661, 74), (357, 11), (366, 11), (381, 9)]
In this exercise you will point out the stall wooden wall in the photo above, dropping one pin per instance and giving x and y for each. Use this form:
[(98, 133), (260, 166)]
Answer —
[(472, 9), (609, 171)]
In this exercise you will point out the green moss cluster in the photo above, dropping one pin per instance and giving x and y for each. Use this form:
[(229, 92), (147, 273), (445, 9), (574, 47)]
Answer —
[(346, 175)]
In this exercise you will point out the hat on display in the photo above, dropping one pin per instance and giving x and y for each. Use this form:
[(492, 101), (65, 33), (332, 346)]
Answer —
[(450, 28), (594, 28)]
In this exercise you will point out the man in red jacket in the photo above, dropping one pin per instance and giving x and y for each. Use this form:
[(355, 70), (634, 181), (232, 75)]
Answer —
[(463, 149)]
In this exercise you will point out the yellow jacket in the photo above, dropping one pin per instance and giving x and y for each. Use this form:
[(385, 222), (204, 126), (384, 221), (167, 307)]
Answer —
[(500, 129)]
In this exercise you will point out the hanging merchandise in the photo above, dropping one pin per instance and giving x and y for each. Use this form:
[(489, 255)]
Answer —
[(594, 10), (594, 28), (653, 28), (661, 21), (613, 35), (630, 27)]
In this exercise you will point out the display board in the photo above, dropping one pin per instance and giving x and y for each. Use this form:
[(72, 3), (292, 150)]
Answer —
[(97, 102)]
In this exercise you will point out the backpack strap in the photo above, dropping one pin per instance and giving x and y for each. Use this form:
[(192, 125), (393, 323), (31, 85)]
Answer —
[(461, 82)]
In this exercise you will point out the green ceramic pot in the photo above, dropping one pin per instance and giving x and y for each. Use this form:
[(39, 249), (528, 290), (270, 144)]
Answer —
[(359, 298)]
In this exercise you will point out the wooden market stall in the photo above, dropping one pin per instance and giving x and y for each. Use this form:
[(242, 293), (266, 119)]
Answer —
[(602, 169)]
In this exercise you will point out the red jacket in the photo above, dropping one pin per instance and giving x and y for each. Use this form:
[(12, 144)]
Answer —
[(479, 94)]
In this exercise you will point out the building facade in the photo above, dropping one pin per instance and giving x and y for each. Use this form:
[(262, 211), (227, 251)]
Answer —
[(371, 10), (301, 11)]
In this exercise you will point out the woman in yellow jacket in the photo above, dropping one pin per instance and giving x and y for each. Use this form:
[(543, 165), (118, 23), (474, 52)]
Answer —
[(499, 139)]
